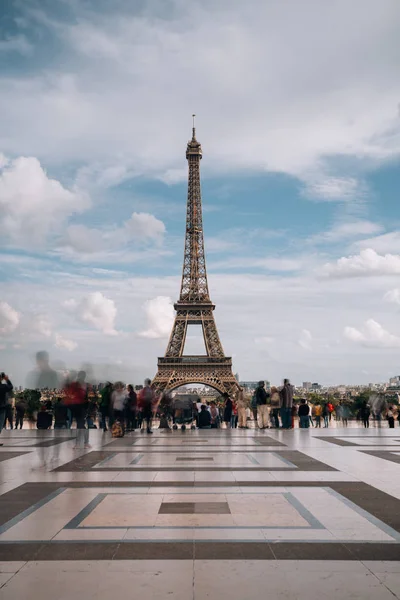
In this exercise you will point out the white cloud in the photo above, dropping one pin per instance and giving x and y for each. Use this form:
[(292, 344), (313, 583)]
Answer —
[(32, 205), (38, 324), (325, 187), (96, 310), (160, 317), (372, 335), (305, 339), (102, 85), (347, 230), (9, 318), (367, 263), (393, 296), (143, 226), (388, 242), (64, 344)]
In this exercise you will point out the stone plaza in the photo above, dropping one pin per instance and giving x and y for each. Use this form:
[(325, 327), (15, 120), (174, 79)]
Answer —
[(201, 514)]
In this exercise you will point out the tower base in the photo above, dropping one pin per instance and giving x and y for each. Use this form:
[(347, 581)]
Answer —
[(214, 372)]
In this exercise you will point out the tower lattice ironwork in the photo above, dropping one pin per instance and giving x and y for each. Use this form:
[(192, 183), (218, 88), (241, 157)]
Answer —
[(194, 306)]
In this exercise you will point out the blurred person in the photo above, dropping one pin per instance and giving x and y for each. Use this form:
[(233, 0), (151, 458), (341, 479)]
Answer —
[(275, 406), (286, 395), (365, 412), (228, 408), (60, 415), (294, 413), (318, 414), (131, 408), (147, 403), (263, 399), (331, 408), (304, 414), (76, 399), (44, 418), (118, 402), (215, 418), (241, 408), (9, 411), (253, 406), (345, 413), (390, 417), (234, 417), (6, 387), (20, 408), (204, 418), (339, 411), (325, 414), (105, 406), (43, 377)]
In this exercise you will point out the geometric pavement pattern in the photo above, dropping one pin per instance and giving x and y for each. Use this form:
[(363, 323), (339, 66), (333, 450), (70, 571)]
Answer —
[(195, 502)]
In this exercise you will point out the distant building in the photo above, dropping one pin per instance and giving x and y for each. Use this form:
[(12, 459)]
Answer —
[(307, 385), (315, 386)]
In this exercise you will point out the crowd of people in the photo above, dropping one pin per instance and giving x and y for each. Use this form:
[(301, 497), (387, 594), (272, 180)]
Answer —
[(120, 408)]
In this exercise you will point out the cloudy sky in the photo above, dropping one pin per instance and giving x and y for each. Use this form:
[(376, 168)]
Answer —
[(298, 114)]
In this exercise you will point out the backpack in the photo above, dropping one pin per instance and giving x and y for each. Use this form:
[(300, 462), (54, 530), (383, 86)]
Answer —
[(117, 430)]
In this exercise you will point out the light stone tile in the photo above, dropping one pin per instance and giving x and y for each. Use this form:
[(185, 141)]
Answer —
[(159, 580), (244, 579), (155, 533), (4, 577), (11, 566)]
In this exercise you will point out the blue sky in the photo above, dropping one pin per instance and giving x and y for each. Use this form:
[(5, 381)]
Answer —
[(298, 115)]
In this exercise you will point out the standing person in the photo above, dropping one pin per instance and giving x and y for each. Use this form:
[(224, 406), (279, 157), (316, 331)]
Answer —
[(345, 412), (105, 406), (390, 417), (325, 414), (118, 402), (318, 414), (339, 412), (214, 412), (365, 412), (131, 409), (241, 408), (263, 398), (331, 408), (227, 409), (234, 417), (9, 411), (286, 395), (204, 418), (60, 415), (147, 403), (275, 406), (304, 412), (76, 398), (44, 418), (20, 408), (5, 388), (253, 406)]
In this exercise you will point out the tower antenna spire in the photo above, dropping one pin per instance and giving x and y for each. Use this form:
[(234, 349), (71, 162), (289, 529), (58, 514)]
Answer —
[(194, 127)]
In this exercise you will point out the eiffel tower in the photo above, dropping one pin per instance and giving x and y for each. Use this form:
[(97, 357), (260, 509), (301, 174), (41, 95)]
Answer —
[(194, 306)]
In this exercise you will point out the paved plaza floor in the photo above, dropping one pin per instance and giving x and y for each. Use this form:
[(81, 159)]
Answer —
[(212, 514)]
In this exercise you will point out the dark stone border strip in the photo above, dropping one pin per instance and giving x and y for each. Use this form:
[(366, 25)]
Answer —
[(50, 551), (8, 455), (335, 440), (339, 442), (88, 461), (384, 454)]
